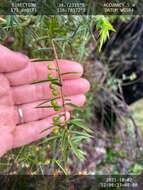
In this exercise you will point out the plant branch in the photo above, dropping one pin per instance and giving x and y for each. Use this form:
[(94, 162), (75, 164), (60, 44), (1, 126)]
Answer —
[(61, 80)]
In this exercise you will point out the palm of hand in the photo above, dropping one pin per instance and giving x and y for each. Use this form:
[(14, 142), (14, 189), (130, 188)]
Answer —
[(7, 116), (16, 91)]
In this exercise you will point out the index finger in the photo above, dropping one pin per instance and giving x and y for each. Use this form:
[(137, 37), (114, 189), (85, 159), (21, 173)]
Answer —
[(10, 60)]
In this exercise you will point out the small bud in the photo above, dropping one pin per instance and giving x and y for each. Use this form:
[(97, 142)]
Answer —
[(53, 86), (50, 77), (57, 108), (49, 67), (56, 130), (56, 119), (54, 92), (54, 103)]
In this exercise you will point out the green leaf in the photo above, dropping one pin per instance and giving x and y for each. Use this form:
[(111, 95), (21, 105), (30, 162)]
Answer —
[(76, 150), (77, 139), (70, 73), (48, 139), (46, 129), (46, 101), (39, 81), (81, 133), (72, 105), (57, 108), (43, 106), (57, 83), (60, 166), (103, 26), (79, 123)]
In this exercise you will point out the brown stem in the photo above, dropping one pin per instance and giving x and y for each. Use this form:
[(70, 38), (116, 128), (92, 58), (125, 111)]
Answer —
[(61, 80)]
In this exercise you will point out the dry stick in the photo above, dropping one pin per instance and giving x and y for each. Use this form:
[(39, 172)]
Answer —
[(61, 80)]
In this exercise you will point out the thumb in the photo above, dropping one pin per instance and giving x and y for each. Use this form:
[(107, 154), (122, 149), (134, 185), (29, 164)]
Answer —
[(11, 61)]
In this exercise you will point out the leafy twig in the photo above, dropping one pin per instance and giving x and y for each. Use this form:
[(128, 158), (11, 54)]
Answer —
[(60, 78)]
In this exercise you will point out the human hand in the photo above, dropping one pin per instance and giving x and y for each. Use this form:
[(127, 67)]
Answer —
[(9, 62), (18, 93)]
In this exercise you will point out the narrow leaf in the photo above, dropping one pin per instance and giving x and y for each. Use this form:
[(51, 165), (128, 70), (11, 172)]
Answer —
[(70, 73), (76, 150), (60, 166), (79, 123)]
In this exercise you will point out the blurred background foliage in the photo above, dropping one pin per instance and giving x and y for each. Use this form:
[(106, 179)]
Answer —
[(116, 146)]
